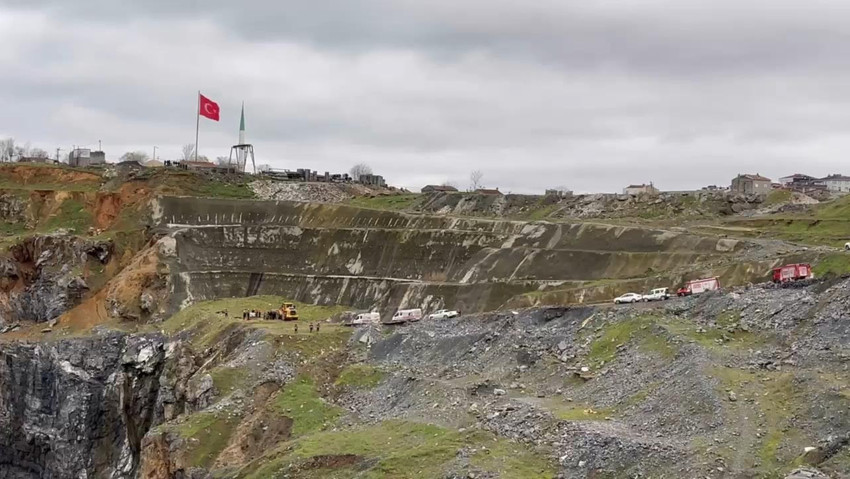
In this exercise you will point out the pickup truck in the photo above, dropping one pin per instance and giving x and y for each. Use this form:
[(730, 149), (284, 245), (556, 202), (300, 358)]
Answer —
[(443, 314)]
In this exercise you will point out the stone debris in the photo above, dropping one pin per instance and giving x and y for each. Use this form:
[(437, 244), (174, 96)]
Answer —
[(310, 192)]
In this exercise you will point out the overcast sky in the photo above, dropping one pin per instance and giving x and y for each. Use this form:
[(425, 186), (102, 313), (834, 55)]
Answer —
[(592, 95)]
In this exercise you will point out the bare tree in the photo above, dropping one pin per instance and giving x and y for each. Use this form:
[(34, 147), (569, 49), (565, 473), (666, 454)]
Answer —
[(222, 160), (360, 169), (7, 150), (475, 179), (39, 153), (139, 156), (22, 151), (450, 183), (188, 152)]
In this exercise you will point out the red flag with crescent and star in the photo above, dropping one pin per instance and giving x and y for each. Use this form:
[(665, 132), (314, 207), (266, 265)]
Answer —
[(209, 108)]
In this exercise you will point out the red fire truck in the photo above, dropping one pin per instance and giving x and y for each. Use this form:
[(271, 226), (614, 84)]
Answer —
[(792, 272), (698, 286)]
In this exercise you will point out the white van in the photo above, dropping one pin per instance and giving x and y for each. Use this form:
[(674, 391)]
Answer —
[(367, 318), (405, 315)]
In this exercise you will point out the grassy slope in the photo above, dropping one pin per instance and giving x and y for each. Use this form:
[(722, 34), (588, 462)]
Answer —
[(404, 449), (388, 449), (777, 398), (389, 202), (826, 224)]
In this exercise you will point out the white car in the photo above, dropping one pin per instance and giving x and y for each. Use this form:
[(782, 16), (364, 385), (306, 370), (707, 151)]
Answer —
[(628, 298), (443, 314), (657, 294)]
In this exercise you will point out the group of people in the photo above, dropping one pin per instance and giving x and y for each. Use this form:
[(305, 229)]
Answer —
[(318, 325), (255, 314)]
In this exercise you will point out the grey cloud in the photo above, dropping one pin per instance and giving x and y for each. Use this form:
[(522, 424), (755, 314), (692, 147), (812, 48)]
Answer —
[(588, 94)]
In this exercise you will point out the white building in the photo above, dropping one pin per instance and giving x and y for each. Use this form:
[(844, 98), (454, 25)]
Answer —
[(636, 190), (837, 183)]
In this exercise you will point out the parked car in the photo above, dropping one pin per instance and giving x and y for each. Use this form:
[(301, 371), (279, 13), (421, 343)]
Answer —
[(698, 286), (443, 314), (657, 294), (628, 298), (405, 315)]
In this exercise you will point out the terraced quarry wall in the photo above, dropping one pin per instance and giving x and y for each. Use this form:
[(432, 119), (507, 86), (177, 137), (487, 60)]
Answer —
[(336, 254)]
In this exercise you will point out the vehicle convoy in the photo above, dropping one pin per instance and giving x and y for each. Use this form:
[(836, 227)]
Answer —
[(405, 315), (628, 298), (288, 312), (792, 272), (657, 294), (372, 317), (443, 314), (698, 286)]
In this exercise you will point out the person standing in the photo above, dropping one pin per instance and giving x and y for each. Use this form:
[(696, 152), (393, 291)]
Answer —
[(311, 327)]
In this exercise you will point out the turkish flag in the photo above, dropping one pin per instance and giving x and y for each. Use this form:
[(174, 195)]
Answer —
[(209, 108)]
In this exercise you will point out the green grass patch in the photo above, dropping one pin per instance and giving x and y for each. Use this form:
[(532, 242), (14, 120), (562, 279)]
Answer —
[(823, 224), (360, 376), (171, 181), (206, 323), (776, 197), (301, 402), (71, 214), (12, 229), (725, 335), (385, 202), (226, 380), (778, 398), (642, 329), (583, 413), (833, 265), (208, 434), (408, 449)]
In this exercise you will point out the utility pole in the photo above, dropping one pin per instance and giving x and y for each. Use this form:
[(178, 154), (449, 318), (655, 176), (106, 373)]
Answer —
[(99, 146), (154, 153)]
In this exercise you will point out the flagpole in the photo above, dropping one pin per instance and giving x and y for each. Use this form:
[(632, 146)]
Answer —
[(197, 123)]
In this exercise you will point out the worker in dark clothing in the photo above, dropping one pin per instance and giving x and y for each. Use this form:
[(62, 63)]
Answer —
[(225, 314), (244, 314), (317, 327), (296, 328), (311, 327)]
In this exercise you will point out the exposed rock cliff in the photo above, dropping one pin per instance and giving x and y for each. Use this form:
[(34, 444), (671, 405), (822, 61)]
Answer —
[(78, 408), (44, 276)]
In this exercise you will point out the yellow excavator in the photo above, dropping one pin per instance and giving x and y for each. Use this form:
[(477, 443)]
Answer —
[(288, 312)]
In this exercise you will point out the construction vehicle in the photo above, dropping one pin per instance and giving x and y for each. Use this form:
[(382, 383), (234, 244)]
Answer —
[(698, 286), (792, 272), (288, 312)]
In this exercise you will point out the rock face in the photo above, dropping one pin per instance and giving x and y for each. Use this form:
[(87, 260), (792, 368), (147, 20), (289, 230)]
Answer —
[(662, 205), (43, 275), (78, 408), (334, 254)]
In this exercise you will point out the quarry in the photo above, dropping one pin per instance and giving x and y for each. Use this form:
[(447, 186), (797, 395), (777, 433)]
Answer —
[(125, 353)]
